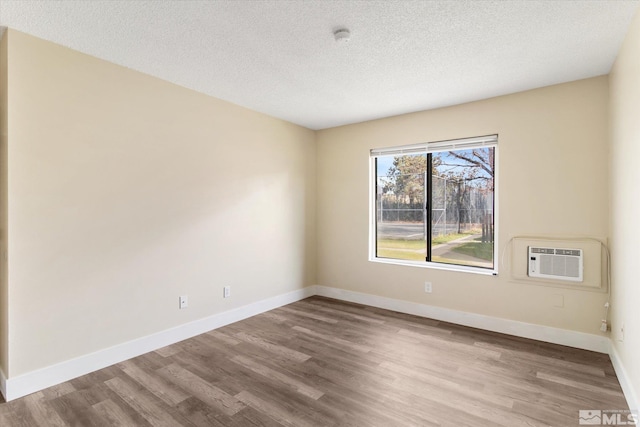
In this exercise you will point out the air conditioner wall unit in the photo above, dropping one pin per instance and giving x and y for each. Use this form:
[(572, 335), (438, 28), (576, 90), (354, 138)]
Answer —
[(556, 263)]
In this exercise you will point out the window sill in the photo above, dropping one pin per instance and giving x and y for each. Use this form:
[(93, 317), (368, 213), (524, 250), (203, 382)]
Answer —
[(436, 266)]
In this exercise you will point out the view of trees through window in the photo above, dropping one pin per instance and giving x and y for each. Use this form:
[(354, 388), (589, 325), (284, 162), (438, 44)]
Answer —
[(436, 207)]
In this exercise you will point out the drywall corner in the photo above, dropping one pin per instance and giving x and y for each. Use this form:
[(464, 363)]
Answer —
[(624, 208), (4, 132)]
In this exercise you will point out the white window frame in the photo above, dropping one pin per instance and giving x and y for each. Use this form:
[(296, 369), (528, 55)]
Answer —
[(433, 147)]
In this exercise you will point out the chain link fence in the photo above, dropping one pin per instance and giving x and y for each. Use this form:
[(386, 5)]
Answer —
[(457, 207)]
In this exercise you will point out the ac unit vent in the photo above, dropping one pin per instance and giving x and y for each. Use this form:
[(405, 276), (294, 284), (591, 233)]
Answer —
[(554, 263)]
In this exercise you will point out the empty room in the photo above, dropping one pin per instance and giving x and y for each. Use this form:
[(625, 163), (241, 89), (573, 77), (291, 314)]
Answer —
[(319, 213)]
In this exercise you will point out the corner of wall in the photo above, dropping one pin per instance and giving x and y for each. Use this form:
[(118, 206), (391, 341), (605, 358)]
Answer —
[(624, 209), (4, 130), (626, 384)]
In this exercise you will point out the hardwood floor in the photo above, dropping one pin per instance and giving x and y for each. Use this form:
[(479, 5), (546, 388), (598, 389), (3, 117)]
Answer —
[(321, 362)]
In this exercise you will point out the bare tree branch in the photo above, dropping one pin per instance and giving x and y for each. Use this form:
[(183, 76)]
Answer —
[(480, 162)]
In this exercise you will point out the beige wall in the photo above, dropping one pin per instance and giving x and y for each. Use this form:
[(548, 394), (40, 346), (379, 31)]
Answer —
[(625, 202), (553, 180), (4, 325), (126, 191)]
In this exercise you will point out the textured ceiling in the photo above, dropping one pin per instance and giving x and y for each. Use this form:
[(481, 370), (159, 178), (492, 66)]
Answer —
[(280, 58)]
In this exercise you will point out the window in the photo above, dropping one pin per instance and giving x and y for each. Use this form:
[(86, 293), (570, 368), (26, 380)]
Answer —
[(434, 204)]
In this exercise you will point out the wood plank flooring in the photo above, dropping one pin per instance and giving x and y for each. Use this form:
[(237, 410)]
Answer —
[(321, 362)]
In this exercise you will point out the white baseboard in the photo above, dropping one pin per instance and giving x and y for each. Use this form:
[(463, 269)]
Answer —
[(627, 387), (22, 385), (13, 388), (598, 343), (575, 339)]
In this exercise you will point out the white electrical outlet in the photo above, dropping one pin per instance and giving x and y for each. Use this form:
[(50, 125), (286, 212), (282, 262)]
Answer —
[(184, 301), (621, 336), (427, 287), (226, 293)]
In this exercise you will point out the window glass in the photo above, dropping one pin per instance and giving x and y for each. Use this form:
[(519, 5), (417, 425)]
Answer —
[(401, 226), (436, 206)]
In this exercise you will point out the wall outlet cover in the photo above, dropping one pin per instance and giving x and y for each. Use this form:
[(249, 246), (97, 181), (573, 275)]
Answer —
[(427, 287)]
